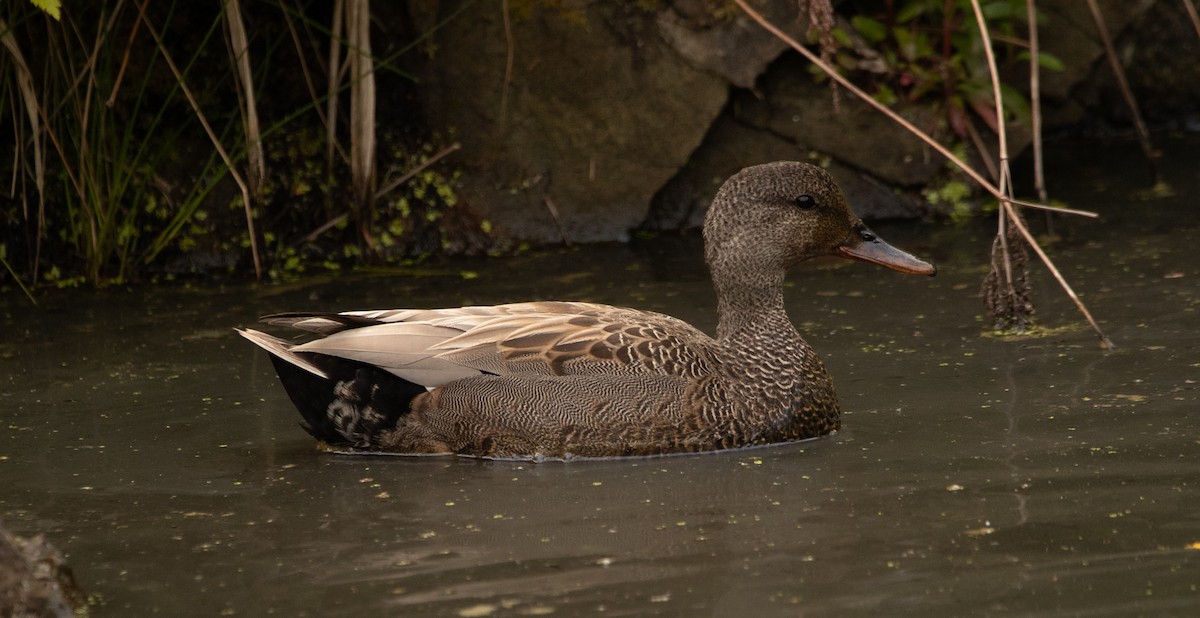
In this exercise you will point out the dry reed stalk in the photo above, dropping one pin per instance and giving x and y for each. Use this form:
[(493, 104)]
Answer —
[(1035, 101), (324, 227), (334, 78), (18, 131), (116, 87), (362, 102), (557, 221), (1114, 61), (1195, 17), (240, 44), (1016, 306), (212, 136), (509, 56), (438, 156), (1013, 217), (997, 99), (388, 188), (981, 148)]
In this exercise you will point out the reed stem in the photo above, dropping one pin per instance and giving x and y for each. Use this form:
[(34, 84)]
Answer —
[(1114, 61), (1035, 101)]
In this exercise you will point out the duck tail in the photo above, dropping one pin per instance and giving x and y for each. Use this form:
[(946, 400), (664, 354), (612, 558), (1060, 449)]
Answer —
[(344, 403)]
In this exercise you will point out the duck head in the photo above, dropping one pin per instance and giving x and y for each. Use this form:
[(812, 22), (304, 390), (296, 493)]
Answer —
[(767, 218)]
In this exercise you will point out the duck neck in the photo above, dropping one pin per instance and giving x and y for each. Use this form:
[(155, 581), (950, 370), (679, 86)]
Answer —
[(750, 311)]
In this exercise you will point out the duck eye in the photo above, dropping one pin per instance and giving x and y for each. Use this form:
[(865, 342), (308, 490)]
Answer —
[(805, 202)]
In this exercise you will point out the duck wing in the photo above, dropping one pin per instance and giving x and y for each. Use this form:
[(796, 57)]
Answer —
[(432, 347)]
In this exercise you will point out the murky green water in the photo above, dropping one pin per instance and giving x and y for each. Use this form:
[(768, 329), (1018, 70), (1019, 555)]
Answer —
[(974, 475)]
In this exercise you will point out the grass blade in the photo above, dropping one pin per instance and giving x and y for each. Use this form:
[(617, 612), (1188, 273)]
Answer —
[(21, 284), (215, 141)]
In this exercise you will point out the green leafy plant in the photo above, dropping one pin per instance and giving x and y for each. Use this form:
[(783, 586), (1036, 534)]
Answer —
[(53, 8), (914, 50)]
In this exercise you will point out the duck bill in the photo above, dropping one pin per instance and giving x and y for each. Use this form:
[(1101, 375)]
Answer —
[(862, 244)]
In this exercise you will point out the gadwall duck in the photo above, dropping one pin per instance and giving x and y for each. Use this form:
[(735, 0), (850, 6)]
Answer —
[(560, 380)]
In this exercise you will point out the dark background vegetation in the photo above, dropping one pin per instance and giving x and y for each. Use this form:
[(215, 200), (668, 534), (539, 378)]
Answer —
[(113, 178)]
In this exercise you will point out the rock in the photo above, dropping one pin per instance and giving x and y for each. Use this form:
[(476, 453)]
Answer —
[(733, 47), (608, 104), (793, 106), (35, 581), (598, 114), (731, 146)]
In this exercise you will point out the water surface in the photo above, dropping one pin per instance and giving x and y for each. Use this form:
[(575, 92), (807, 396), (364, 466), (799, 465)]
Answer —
[(974, 475)]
